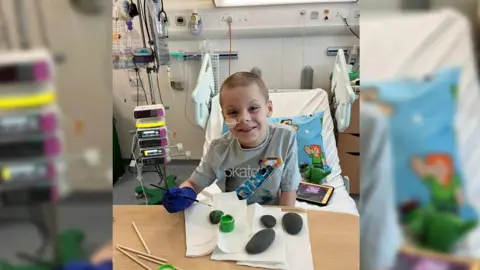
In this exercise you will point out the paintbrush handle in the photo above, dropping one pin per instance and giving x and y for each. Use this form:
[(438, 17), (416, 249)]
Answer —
[(186, 197)]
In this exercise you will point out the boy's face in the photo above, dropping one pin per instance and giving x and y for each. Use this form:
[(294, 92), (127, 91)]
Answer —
[(249, 108)]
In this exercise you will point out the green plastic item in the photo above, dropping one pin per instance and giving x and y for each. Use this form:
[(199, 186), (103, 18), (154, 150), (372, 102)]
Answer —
[(434, 230), (352, 75), (155, 195), (314, 174), (227, 224), (166, 267), (7, 266), (178, 55), (70, 245)]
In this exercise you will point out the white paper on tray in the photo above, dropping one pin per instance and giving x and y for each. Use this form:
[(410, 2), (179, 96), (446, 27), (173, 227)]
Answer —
[(201, 237), (277, 249), (298, 252), (232, 242), (298, 247), (273, 255)]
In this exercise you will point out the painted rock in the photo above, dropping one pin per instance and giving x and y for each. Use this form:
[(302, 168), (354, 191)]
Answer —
[(215, 216), (292, 223), (260, 241), (268, 221)]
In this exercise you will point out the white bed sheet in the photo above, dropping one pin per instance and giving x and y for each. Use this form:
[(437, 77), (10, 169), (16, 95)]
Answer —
[(443, 40), (298, 102)]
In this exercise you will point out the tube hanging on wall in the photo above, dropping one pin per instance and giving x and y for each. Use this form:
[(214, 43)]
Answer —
[(307, 78)]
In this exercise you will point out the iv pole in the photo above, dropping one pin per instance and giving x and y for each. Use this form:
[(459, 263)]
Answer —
[(157, 10), (49, 209)]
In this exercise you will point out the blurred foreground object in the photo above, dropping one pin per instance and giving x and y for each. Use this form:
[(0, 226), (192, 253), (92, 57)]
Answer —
[(441, 43), (380, 233), (412, 258), (89, 7), (30, 137), (103, 254)]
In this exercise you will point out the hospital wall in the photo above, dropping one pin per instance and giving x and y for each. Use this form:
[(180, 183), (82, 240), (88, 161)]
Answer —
[(83, 86), (280, 60)]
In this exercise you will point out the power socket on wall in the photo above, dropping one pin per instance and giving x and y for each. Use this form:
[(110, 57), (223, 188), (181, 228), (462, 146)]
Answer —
[(236, 18), (225, 17)]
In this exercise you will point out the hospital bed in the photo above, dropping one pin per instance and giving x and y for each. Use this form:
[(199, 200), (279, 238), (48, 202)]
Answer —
[(443, 40), (291, 102)]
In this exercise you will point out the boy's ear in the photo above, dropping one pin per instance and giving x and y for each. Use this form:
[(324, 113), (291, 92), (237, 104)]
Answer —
[(269, 108)]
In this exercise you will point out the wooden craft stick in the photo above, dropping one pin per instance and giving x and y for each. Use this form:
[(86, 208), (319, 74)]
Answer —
[(142, 253), (133, 258), (141, 238), (150, 259)]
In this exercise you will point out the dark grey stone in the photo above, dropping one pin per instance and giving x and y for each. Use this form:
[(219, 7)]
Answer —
[(268, 221), (215, 216), (292, 223), (260, 241)]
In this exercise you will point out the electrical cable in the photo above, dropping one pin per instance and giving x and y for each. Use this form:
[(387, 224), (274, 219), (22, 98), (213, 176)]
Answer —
[(41, 24), (159, 91), (5, 33), (140, 13), (138, 89), (36, 220), (132, 157), (351, 30), (147, 28), (164, 13), (138, 175), (160, 174), (139, 78)]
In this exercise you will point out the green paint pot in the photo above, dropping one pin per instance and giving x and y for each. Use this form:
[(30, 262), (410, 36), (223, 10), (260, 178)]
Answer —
[(166, 267), (227, 224)]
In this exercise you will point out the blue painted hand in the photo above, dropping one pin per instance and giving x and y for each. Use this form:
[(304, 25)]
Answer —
[(175, 201)]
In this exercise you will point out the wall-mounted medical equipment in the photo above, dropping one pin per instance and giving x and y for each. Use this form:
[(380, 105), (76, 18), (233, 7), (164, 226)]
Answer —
[(307, 20), (143, 55), (151, 140), (195, 24), (130, 50), (245, 3), (150, 121), (333, 51), (176, 71), (158, 24), (30, 139), (149, 111), (354, 58)]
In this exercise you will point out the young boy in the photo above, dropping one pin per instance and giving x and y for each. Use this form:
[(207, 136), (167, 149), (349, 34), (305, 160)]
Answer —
[(252, 147)]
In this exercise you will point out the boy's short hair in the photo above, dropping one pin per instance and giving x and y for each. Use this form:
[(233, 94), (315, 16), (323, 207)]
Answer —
[(244, 79)]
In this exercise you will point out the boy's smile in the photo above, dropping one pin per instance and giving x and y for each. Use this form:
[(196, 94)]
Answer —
[(249, 108)]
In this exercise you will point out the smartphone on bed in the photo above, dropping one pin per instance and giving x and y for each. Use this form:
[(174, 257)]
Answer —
[(315, 194)]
